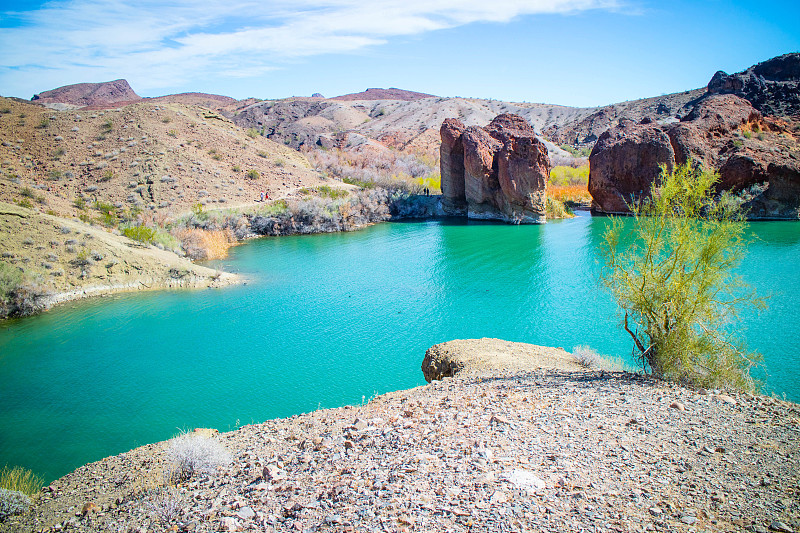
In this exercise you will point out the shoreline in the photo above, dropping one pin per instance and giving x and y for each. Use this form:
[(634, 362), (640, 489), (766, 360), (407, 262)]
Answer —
[(526, 447)]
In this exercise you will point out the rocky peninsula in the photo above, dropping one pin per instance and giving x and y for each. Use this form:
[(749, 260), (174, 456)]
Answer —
[(520, 438)]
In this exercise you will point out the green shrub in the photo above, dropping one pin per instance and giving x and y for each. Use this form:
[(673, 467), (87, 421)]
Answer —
[(253, 174), (58, 153), (43, 123), (54, 174), (26, 192), (79, 202), (326, 191), (108, 175), (26, 203), (672, 271), (84, 217), (747, 134), (556, 209), (108, 125), (237, 168), (166, 120), (252, 133), (140, 233), (263, 154), (172, 133)]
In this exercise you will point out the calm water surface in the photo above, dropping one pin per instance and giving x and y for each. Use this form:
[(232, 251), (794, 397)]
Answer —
[(324, 321)]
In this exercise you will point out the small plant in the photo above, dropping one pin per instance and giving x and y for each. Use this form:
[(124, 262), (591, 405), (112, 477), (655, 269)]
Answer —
[(26, 203), (54, 175), (191, 454), (747, 134), (253, 133), (43, 123), (253, 174), (40, 199), (80, 203), (212, 151), (586, 357), (108, 175), (58, 153), (26, 192), (5, 111), (326, 191), (139, 233), (84, 217), (216, 157), (237, 168), (12, 502), (21, 480), (279, 162), (198, 210), (108, 125), (164, 504), (262, 153), (166, 120), (172, 133)]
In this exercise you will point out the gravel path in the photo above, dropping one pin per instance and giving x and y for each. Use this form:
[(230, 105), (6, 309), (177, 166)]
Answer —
[(541, 450)]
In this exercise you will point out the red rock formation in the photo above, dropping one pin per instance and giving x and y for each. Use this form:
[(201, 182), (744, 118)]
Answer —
[(498, 172), (90, 94), (625, 162), (723, 133)]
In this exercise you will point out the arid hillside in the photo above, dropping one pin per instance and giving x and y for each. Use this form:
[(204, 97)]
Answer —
[(158, 158)]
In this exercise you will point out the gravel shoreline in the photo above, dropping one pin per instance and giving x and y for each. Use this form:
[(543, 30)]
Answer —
[(504, 450)]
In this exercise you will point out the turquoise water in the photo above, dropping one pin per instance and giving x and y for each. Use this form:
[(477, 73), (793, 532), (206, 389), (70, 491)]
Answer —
[(327, 320)]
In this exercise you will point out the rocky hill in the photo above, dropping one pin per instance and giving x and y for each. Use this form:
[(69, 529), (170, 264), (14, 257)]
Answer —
[(772, 87), (391, 93), (104, 94), (144, 163), (533, 443)]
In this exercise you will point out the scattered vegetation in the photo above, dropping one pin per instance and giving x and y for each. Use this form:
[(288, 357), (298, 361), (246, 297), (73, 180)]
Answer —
[(253, 174), (44, 123), (172, 133), (569, 185), (672, 271), (253, 133), (583, 151), (108, 175)]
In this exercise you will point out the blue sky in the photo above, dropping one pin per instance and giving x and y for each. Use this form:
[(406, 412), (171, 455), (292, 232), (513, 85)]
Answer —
[(571, 52)]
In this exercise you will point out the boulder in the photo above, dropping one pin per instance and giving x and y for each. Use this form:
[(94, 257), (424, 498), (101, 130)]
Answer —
[(498, 172)]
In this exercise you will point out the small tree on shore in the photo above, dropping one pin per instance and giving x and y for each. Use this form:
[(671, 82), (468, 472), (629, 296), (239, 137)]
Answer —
[(672, 271)]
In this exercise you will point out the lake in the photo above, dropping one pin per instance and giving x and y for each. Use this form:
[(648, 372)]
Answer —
[(328, 320)]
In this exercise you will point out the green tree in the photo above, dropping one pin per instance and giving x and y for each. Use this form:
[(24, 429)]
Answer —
[(672, 271)]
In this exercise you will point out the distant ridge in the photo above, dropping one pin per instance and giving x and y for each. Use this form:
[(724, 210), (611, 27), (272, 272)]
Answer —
[(391, 93), (90, 94)]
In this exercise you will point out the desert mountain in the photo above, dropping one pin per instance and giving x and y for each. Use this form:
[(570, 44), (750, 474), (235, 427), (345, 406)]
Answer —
[(392, 93), (89, 94)]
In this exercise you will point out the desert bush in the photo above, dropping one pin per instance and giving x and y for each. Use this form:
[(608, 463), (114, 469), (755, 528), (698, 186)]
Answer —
[(236, 168), (252, 174), (253, 133), (672, 271), (19, 295), (108, 125), (139, 233), (163, 504), (80, 203), (108, 175), (172, 133), (12, 502), (586, 356), (327, 191), (189, 454), (44, 123), (556, 209), (26, 192), (20, 479), (263, 154)]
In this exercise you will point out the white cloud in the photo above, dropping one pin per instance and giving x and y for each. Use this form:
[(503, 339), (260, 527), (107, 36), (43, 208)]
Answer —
[(155, 44)]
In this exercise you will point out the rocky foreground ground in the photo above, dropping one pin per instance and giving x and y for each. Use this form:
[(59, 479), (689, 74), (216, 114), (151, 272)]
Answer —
[(504, 449)]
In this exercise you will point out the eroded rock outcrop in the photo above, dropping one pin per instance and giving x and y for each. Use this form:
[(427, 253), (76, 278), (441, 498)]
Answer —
[(773, 86), (498, 172), (724, 133)]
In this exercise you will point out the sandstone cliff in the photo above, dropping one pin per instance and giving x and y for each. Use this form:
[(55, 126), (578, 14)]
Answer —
[(498, 172)]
